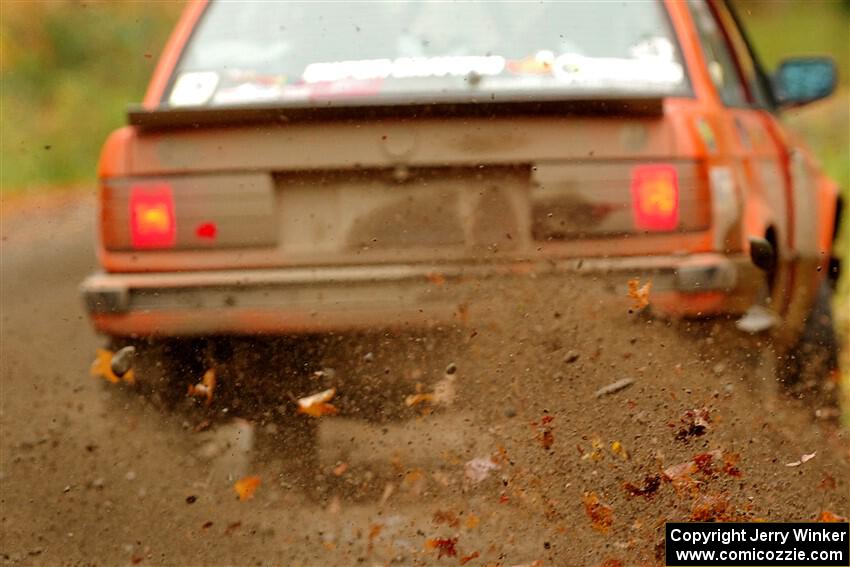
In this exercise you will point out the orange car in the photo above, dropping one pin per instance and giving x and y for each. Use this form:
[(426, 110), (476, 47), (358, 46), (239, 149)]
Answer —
[(301, 168)]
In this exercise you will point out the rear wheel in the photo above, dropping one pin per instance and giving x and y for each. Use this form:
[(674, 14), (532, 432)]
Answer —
[(808, 366)]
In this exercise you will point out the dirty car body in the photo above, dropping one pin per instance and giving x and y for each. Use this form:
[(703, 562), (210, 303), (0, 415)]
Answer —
[(307, 167)]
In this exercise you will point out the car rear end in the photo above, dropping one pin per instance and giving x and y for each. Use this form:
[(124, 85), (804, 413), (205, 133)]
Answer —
[(398, 174)]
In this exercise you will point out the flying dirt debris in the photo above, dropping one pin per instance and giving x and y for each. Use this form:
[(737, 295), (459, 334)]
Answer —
[(318, 405), (411, 283), (614, 387)]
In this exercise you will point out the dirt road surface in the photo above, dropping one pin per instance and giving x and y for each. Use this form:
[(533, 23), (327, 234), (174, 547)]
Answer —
[(524, 465)]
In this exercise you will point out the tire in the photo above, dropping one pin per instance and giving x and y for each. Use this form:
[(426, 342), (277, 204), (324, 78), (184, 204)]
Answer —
[(809, 363)]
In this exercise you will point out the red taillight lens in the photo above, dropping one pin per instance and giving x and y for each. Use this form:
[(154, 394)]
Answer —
[(152, 223), (655, 197)]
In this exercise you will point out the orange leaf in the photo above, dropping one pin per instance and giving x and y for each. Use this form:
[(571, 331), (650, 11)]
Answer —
[(601, 516), (416, 399), (205, 388), (317, 405), (640, 294), (828, 517), (444, 546), (245, 487)]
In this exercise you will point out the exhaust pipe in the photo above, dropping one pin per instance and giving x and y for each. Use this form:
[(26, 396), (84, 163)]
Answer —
[(762, 254)]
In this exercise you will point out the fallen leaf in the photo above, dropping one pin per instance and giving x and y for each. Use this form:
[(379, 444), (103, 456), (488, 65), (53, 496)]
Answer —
[(611, 563), (444, 546), (205, 388), (416, 399), (318, 405), (828, 517), (730, 462), (712, 508), (601, 515), (472, 522), (618, 449), (702, 462), (101, 367), (340, 469), (443, 394), (470, 557), (545, 434), (695, 424), (650, 486), (245, 487), (639, 293)]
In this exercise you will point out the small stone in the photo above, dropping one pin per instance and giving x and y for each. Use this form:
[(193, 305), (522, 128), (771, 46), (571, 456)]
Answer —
[(130, 475), (191, 499), (98, 482), (510, 412), (571, 356), (451, 368), (719, 368), (368, 357), (67, 488)]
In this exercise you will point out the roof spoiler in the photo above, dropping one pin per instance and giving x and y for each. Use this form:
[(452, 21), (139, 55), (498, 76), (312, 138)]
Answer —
[(165, 117)]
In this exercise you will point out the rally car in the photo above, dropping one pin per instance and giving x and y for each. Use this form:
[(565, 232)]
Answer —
[(310, 167)]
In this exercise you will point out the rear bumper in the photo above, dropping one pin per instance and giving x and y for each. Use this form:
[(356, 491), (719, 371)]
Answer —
[(305, 300)]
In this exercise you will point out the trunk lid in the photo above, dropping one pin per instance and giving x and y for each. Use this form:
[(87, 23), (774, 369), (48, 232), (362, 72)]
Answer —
[(337, 189)]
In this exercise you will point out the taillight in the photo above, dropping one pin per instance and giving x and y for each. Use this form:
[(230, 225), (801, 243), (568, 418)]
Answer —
[(152, 222), (655, 197)]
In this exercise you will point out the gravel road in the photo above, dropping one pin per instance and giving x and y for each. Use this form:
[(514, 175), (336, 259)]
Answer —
[(534, 460)]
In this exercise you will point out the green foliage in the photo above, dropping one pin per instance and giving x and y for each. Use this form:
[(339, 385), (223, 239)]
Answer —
[(68, 71)]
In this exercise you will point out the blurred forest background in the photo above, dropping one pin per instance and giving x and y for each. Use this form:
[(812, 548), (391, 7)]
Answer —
[(69, 68)]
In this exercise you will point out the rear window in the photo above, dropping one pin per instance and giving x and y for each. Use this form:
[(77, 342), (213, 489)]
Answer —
[(265, 52)]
